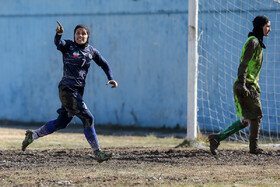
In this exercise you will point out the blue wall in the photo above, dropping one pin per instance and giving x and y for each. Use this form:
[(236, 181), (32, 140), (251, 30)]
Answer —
[(144, 41)]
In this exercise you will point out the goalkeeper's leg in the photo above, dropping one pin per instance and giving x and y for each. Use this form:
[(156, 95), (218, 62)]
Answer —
[(254, 136), (215, 139)]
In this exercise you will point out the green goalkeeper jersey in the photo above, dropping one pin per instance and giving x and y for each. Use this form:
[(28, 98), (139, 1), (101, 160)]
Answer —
[(250, 63), (249, 107)]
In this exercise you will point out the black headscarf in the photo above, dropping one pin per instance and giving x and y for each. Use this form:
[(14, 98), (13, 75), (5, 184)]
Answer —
[(88, 32), (258, 24)]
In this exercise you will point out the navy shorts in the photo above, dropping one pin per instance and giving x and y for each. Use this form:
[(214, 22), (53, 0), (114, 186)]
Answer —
[(72, 104)]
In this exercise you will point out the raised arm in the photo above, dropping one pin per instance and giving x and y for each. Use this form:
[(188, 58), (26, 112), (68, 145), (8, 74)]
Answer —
[(57, 39), (59, 29)]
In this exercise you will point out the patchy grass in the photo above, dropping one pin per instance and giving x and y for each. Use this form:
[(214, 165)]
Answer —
[(65, 159), (12, 139)]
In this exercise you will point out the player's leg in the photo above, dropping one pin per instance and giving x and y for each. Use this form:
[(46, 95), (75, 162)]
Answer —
[(254, 112), (90, 134), (254, 135), (215, 139), (89, 130), (62, 121), (248, 107), (233, 128), (48, 128), (73, 102)]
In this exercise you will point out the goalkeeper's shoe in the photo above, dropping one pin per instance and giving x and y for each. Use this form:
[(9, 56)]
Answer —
[(214, 143), (257, 151), (28, 140), (102, 156)]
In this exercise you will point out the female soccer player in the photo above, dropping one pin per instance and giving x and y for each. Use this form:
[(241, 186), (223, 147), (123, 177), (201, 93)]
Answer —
[(246, 88), (77, 56)]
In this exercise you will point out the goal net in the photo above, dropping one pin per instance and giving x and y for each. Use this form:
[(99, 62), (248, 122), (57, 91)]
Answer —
[(223, 27)]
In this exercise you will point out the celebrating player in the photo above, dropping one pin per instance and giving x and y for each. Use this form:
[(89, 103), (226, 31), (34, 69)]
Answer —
[(77, 56), (246, 88)]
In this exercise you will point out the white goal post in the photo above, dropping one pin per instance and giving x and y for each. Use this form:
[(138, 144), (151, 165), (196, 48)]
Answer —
[(192, 70)]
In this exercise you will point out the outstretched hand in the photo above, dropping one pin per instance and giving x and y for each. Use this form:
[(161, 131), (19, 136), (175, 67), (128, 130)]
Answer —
[(115, 84), (59, 28)]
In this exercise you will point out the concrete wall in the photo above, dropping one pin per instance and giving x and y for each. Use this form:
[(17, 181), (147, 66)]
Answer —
[(145, 41)]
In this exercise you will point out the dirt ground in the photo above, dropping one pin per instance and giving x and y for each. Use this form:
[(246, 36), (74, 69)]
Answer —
[(65, 159), (134, 166)]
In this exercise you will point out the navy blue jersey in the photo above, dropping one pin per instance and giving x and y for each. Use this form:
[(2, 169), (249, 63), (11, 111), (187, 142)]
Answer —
[(76, 61)]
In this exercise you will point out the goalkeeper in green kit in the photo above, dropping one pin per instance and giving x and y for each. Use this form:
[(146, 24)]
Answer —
[(246, 88)]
